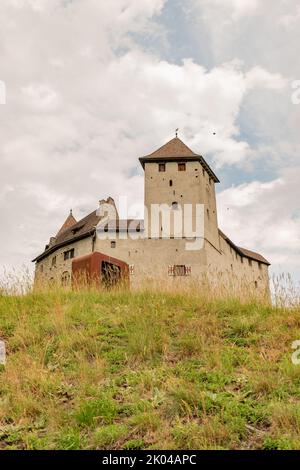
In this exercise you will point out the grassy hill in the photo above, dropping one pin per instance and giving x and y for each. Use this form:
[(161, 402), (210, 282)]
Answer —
[(119, 370)]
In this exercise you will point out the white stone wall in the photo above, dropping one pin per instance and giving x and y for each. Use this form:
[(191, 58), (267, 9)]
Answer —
[(193, 186), (48, 271), (151, 259), (229, 268)]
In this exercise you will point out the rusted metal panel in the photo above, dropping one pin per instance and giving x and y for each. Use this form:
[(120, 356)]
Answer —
[(99, 269)]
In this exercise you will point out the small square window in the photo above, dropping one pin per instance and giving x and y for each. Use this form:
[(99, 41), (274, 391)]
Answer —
[(113, 244), (161, 167), (179, 270), (70, 254), (181, 167)]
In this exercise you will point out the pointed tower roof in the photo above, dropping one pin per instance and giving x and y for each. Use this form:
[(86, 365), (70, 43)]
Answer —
[(173, 148), (176, 150), (69, 222)]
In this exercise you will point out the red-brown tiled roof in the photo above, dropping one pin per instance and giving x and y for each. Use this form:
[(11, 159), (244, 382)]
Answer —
[(254, 255), (176, 150), (173, 148), (84, 228), (243, 252), (69, 222)]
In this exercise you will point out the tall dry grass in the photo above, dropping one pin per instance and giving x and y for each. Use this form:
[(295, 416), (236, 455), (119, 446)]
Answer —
[(285, 292), (116, 369), (16, 281), (282, 291)]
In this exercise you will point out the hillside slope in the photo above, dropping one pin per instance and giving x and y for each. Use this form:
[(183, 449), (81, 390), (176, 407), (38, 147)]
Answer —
[(147, 370)]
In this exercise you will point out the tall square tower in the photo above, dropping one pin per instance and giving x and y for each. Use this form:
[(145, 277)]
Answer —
[(178, 179)]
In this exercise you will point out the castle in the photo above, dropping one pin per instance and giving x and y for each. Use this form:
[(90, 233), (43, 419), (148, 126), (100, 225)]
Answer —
[(171, 243)]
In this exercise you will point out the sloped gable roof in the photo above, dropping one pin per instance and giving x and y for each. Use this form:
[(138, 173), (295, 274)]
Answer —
[(176, 150), (243, 251), (254, 255), (173, 148), (69, 222), (83, 228)]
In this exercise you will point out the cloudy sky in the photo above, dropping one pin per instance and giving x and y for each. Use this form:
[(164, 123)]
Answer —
[(92, 85)]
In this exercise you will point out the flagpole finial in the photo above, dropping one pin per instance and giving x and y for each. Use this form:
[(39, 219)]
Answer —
[(176, 132)]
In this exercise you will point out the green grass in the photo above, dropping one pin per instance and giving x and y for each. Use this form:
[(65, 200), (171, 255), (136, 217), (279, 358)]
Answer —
[(120, 370)]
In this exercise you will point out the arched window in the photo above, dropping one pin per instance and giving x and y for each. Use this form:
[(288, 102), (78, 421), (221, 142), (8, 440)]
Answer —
[(175, 206), (65, 279)]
